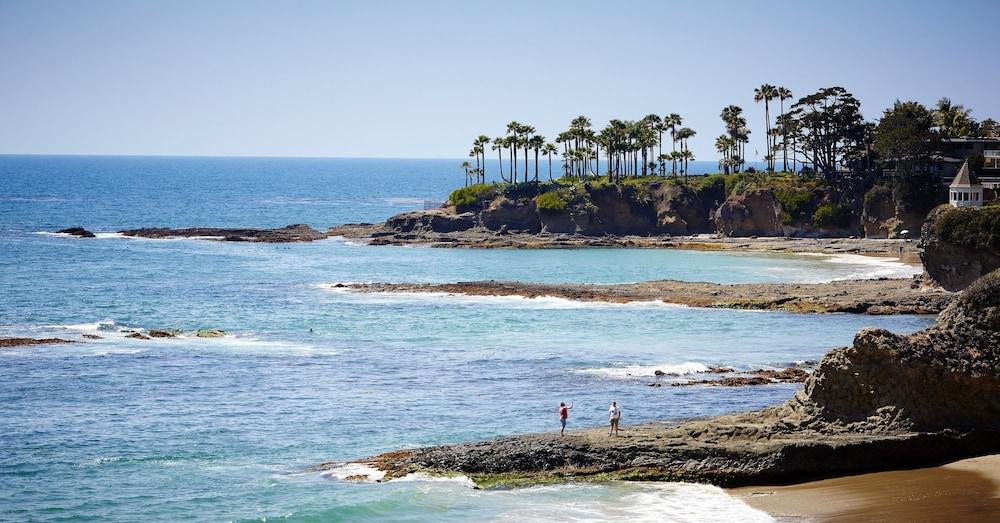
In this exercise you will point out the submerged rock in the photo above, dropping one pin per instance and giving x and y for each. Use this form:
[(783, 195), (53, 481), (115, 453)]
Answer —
[(78, 231), (159, 333), (137, 336), (20, 342), (210, 333), (287, 234)]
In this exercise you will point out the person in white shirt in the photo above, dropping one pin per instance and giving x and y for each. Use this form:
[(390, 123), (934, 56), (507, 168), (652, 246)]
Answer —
[(614, 414)]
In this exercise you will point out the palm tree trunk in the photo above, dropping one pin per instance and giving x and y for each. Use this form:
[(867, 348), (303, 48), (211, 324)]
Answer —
[(536, 165)]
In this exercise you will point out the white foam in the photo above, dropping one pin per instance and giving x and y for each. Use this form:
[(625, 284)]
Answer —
[(637, 502), (354, 471), (636, 371), (541, 302), (464, 481), (868, 267)]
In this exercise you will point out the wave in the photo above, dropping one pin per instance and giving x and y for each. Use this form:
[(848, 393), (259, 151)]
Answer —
[(646, 371), (97, 235), (355, 472), (112, 332), (869, 267), (635, 502), (537, 302)]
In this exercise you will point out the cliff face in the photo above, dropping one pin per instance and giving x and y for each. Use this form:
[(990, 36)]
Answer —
[(947, 376), (960, 245), (757, 213), (883, 216), (653, 208)]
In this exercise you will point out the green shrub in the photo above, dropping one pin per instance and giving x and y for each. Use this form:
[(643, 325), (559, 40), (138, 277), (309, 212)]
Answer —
[(875, 196), (472, 194), (971, 228), (795, 203), (832, 215), (550, 201)]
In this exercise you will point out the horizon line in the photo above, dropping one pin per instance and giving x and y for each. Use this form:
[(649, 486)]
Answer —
[(140, 155)]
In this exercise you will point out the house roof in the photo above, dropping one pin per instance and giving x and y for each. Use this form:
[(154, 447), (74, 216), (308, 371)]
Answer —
[(965, 178)]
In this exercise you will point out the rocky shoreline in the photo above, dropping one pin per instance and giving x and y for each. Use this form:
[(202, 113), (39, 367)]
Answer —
[(23, 342), (886, 402), (482, 238), (287, 234), (884, 296)]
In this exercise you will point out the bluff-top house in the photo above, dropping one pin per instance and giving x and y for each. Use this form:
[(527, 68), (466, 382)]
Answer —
[(954, 151), (965, 190)]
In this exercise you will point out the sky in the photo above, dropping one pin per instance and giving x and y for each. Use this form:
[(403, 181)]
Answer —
[(422, 79)]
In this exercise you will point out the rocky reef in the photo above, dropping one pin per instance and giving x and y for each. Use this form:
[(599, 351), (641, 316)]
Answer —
[(886, 402), (960, 245), (884, 296), (287, 234), (21, 342), (77, 231)]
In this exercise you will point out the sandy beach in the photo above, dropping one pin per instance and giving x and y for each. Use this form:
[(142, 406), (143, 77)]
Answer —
[(966, 490)]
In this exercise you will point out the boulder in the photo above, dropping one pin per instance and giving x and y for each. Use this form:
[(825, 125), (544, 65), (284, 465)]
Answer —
[(78, 231), (511, 215), (433, 220), (210, 333), (756, 213), (955, 246), (681, 210), (623, 211), (947, 376), (158, 333)]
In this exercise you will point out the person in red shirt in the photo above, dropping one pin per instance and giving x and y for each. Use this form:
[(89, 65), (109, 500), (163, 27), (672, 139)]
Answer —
[(563, 414)]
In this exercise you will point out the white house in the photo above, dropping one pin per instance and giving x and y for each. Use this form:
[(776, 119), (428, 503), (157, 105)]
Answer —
[(965, 190)]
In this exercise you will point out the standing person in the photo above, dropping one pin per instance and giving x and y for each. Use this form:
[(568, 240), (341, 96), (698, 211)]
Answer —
[(563, 415), (614, 414)]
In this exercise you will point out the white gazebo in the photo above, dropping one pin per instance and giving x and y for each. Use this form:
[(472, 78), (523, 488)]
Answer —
[(965, 189)]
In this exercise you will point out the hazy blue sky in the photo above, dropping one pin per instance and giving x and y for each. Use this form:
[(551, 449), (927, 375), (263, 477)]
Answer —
[(422, 79)]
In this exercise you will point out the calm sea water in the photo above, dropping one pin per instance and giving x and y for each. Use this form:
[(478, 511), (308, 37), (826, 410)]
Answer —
[(119, 429)]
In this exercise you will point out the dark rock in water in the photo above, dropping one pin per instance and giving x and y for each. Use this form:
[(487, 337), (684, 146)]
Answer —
[(158, 333), (886, 402), (288, 234), (753, 377), (137, 336), (960, 245), (659, 372), (92, 337), (78, 231), (20, 342)]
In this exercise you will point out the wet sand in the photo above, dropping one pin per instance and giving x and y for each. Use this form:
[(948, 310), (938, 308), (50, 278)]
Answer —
[(966, 490)]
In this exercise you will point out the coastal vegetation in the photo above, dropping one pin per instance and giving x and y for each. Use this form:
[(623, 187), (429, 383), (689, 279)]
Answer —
[(835, 167)]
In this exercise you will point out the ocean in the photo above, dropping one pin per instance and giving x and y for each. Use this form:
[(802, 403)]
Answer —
[(223, 429)]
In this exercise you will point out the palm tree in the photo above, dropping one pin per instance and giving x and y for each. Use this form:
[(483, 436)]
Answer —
[(687, 155), (952, 120), (526, 132), (466, 165), (537, 142), (784, 94), (683, 134), (548, 150), (498, 144), (672, 121), (765, 93), (512, 143)]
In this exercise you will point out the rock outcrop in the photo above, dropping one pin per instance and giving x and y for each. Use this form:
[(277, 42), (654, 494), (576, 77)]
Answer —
[(886, 402), (757, 213), (21, 342), (287, 234), (435, 220), (960, 245), (77, 231), (884, 217)]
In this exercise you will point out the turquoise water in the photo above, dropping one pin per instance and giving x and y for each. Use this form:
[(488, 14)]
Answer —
[(120, 429)]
